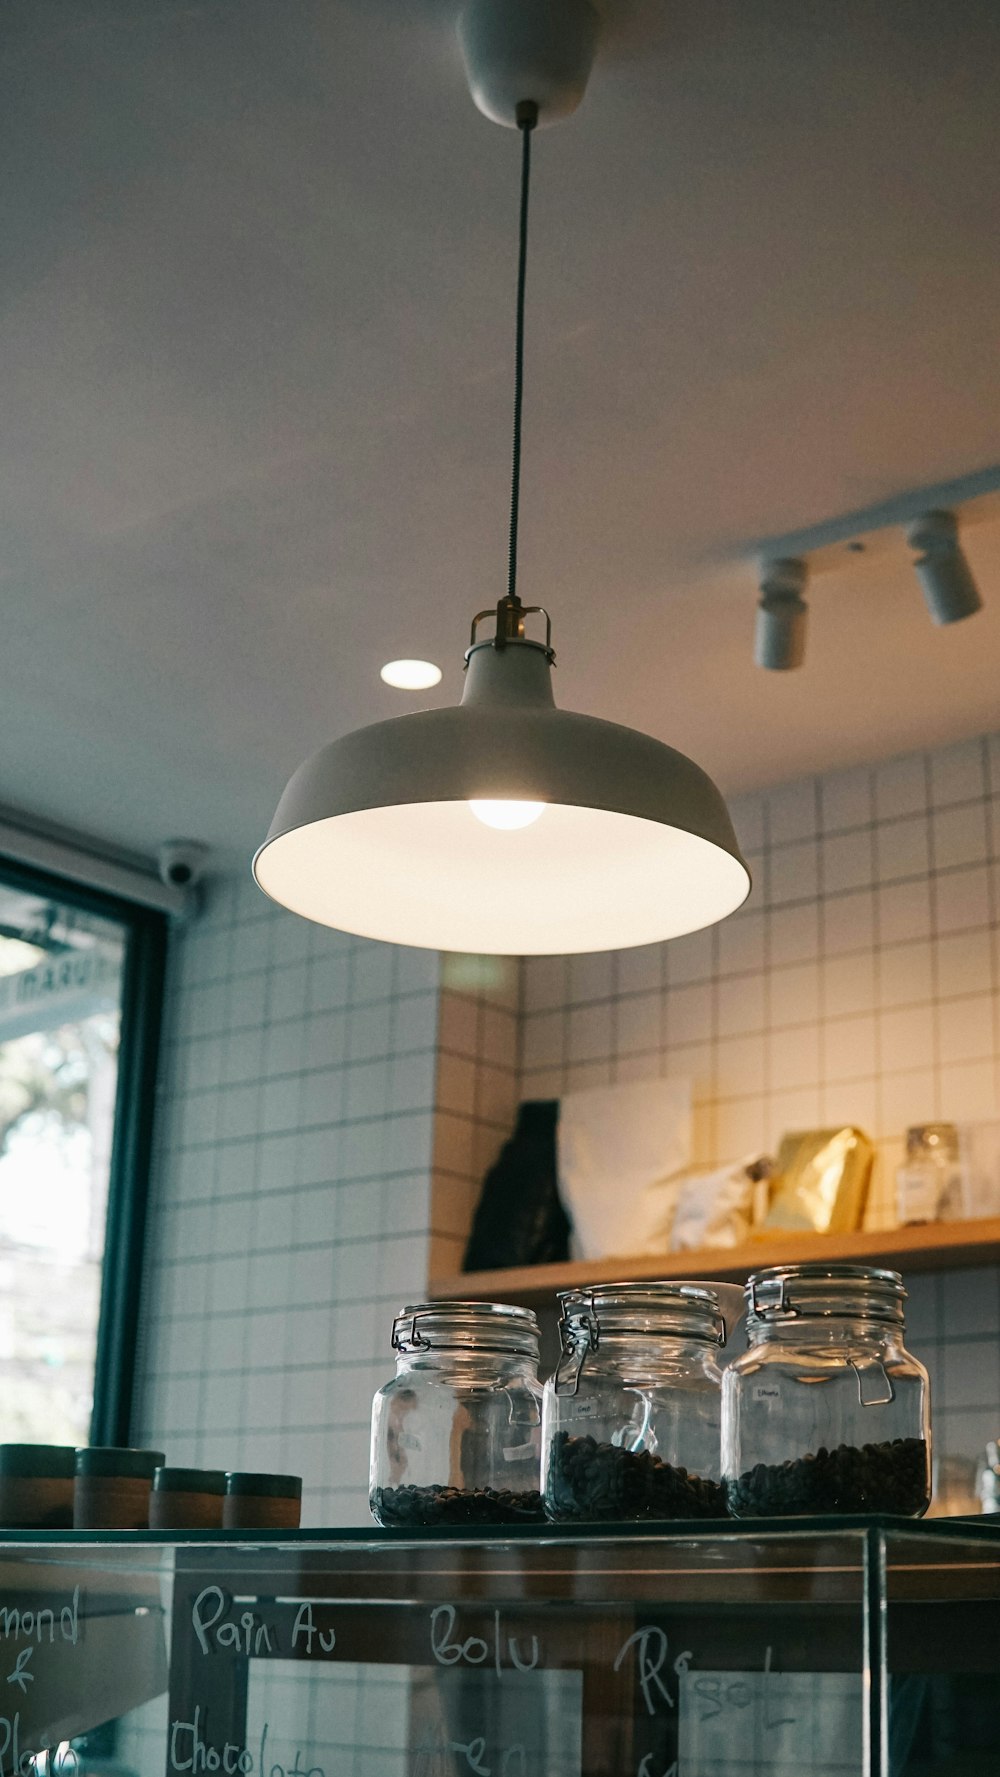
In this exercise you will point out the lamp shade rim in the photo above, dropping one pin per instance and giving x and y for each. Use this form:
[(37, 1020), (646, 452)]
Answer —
[(462, 753), (432, 876), (375, 835)]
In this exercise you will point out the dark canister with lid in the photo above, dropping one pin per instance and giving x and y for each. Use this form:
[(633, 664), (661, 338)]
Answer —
[(826, 1411), (36, 1486), (187, 1499), (456, 1433), (632, 1414), (262, 1502), (113, 1487)]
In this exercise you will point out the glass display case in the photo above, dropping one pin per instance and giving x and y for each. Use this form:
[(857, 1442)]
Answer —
[(833, 1648)]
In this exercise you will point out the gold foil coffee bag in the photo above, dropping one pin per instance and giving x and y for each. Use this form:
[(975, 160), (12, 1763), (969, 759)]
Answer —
[(821, 1181)]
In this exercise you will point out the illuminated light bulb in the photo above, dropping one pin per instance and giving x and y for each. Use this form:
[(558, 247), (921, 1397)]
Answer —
[(506, 817), (410, 675)]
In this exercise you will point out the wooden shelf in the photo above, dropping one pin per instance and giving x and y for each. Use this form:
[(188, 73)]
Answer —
[(935, 1246)]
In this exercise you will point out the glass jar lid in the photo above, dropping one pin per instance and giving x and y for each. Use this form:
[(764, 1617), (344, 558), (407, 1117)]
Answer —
[(852, 1292), (932, 1141), (466, 1327), (679, 1310), (632, 1311)]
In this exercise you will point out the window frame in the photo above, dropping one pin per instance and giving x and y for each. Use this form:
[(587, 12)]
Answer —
[(143, 976)]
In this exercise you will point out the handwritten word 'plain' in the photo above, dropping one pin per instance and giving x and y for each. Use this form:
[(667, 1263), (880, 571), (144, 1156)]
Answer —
[(24, 1761)]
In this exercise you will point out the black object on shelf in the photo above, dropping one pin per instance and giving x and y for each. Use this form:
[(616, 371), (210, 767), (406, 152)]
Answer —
[(520, 1219)]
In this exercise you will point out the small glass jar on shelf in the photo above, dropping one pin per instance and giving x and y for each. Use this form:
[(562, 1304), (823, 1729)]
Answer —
[(456, 1433), (632, 1414), (826, 1411), (931, 1184)]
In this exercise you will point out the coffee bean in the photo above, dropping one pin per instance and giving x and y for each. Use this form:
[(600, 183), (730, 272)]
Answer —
[(408, 1507), (588, 1480), (889, 1477)]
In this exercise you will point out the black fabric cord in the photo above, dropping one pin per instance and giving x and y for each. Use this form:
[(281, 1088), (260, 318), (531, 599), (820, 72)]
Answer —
[(527, 117)]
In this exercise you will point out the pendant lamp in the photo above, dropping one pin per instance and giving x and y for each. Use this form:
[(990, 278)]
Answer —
[(505, 825)]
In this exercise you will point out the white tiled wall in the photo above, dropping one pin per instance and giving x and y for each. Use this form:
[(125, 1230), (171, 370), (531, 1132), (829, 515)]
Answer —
[(314, 1087), (477, 1092), (860, 984), (290, 1212)]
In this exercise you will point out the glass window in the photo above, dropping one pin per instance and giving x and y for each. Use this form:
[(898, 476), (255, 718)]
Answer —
[(63, 967)]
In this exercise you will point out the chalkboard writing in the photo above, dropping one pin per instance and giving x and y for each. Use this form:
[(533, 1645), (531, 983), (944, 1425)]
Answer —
[(217, 1629), (714, 1694), (305, 1633), (651, 1652), (467, 1715), (24, 1760), (424, 1721), (436, 1756), (42, 1625), (32, 1628), (462, 1723), (771, 1724), (475, 1650), (189, 1751)]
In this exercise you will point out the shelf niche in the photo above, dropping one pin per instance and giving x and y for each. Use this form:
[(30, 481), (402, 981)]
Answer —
[(932, 1246), (477, 1093)]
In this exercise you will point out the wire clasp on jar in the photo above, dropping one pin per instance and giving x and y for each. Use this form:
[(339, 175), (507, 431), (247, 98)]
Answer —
[(405, 1336), (578, 1334), (769, 1296), (875, 1387)]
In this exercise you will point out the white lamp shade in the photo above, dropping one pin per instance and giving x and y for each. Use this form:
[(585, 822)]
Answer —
[(374, 834)]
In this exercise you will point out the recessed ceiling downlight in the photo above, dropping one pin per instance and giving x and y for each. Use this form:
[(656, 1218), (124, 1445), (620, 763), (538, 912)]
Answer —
[(411, 675)]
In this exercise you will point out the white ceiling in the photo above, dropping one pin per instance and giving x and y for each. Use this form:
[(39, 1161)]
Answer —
[(255, 381)]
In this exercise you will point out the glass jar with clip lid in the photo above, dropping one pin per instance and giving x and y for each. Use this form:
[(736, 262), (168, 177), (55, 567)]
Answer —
[(632, 1414), (826, 1411), (456, 1433)]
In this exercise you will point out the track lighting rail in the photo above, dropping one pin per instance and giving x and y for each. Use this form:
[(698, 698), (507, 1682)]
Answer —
[(929, 523), (973, 497)]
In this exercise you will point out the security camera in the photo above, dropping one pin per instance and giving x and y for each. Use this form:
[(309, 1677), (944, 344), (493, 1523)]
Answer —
[(182, 862)]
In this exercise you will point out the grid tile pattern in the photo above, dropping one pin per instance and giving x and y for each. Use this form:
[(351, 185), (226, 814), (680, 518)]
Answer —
[(861, 984), (315, 1087), (476, 1094), (290, 1207)]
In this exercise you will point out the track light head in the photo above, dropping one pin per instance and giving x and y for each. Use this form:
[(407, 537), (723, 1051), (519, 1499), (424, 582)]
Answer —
[(950, 592), (780, 635)]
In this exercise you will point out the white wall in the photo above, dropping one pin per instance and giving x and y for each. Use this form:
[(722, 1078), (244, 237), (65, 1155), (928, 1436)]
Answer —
[(297, 1134), (290, 1197), (861, 984)]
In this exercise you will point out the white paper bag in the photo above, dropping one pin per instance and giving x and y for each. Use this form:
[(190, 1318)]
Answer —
[(621, 1151)]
